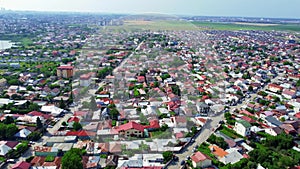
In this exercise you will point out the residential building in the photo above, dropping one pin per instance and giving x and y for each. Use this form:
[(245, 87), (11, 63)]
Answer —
[(242, 127), (131, 129), (85, 80), (200, 160), (65, 71)]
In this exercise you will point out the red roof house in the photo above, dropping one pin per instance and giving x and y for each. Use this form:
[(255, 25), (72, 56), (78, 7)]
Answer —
[(21, 165), (200, 160), (131, 129)]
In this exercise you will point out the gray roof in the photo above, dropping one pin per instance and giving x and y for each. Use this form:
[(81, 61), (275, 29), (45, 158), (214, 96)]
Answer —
[(133, 163), (273, 121)]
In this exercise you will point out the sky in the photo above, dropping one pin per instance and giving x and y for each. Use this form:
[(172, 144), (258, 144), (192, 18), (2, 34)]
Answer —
[(245, 8)]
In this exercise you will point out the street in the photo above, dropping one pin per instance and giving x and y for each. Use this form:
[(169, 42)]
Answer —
[(205, 133)]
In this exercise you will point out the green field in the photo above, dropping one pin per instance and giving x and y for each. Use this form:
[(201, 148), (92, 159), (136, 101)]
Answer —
[(134, 25), (247, 26), (155, 25)]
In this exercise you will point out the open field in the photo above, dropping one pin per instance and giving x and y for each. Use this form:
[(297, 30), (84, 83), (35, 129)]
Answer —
[(155, 25), (247, 26)]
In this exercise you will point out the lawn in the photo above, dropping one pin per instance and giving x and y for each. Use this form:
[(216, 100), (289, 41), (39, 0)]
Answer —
[(161, 134), (230, 133)]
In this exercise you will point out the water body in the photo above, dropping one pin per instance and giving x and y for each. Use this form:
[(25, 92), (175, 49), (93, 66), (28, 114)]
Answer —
[(5, 44)]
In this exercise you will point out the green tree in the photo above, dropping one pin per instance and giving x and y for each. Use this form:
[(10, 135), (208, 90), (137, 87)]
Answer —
[(34, 136), (77, 126), (62, 104), (39, 123), (13, 82), (136, 93), (114, 113), (250, 88), (8, 120), (167, 155), (64, 123), (164, 127), (2, 131), (143, 119), (72, 159), (93, 104), (11, 130), (71, 98), (29, 88), (33, 107), (298, 83)]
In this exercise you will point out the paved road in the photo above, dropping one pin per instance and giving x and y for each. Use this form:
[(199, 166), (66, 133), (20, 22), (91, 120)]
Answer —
[(54, 129), (205, 133)]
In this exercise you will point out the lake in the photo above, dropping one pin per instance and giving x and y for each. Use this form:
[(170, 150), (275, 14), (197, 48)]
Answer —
[(5, 44)]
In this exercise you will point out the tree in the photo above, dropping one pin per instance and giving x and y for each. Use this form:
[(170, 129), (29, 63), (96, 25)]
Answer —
[(71, 99), (143, 119), (93, 104), (298, 83), (72, 159), (34, 136), (62, 104), (29, 88), (64, 123), (164, 127), (176, 90), (8, 120), (167, 155), (250, 88), (39, 123), (77, 126), (11, 130), (114, 113), (136, 93)]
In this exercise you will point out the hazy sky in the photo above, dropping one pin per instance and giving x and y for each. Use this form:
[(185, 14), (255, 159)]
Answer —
[(252, 8)]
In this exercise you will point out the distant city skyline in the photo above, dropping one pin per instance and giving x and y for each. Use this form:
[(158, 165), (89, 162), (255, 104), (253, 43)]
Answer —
[(243, 8)]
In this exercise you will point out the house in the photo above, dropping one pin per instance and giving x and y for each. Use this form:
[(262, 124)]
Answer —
[(200, 121), (141, 79), (53, 110), (242, 127), (65, 71), (13, 89), (288, 129), (82, 134), (131, 129), (45, 151), (22, 134), (289, 94), (272, 121), (179, 121), (4, 149), (274, 131), (232, 157), (200, 160), (115, 147), (3, 83), (112, 161), (275, 88), (217, 151), (203, 108), (85, 80), (91, 162), (82, 114), (21, 165)]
